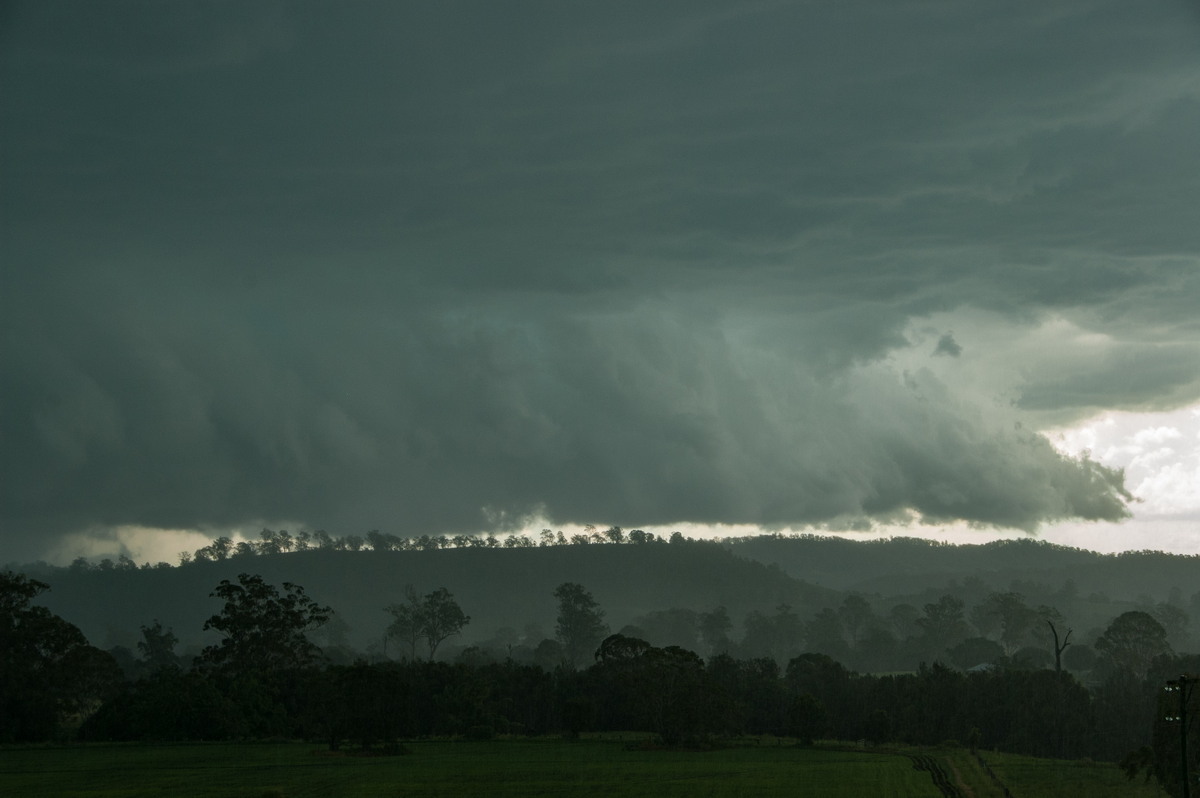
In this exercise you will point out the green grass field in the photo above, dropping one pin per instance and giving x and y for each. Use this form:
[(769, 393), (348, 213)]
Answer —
[(542, 767), (1029, 777), (499, 768)]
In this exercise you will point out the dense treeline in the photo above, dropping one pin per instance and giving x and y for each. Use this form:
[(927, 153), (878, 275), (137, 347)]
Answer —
[(264, 677), (672, 693), (272, 542)]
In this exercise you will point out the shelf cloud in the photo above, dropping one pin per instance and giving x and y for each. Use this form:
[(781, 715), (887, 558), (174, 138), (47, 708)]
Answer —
[(440, 268)]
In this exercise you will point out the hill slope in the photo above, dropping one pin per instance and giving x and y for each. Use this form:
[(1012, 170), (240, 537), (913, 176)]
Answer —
[(908, 565), (512, 587), (496, 587)]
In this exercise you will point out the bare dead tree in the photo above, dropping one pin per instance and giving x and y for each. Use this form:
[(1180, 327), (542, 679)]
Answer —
[(1059, 648)]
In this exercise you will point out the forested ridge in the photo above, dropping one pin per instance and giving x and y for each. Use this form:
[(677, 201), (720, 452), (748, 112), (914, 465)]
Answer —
[(506, 581), (505, 587)]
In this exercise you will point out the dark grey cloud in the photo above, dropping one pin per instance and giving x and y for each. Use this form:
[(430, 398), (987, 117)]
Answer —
[(415, 267), (946, 345)]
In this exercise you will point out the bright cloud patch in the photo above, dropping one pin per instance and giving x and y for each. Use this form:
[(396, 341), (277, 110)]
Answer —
[(1160, 453)]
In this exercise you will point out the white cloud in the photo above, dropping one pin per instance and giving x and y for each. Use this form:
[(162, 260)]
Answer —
[(1165, 479), (142, 544)]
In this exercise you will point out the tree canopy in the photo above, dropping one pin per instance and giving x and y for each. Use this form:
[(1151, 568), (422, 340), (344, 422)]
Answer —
[(580, 625), (1132, 641), (433, 619), (48, 672), (264, 629)]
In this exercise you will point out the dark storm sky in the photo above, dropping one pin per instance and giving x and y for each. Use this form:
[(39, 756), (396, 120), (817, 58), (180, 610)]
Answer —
[(435, 267)]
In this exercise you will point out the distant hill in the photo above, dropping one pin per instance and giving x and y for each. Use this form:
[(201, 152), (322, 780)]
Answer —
[(497, 587), (1088, 588), (512, 587), (909, 565)]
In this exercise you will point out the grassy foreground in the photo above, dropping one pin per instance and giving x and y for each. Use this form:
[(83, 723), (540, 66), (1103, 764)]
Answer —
[(440, 768), (1030, 777), (539, 767)]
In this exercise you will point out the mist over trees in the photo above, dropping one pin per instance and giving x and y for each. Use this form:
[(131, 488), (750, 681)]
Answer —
[(433, 619), (580, 623)]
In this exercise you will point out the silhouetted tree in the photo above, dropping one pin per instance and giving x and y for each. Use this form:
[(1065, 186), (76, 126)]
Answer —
[(1175, 621), (779, 636), (157, 648), (664, 690), (1059, 645), (827, 680), (406, 621), (676, 694), (856, 617), (619, 648), (222, 547), (903, 620), (433, 619), (377, 541), (714, 630), (823, 634), (942, 625), (441, 617), (50, 677), (1132, 640), (1011, 614), (263, 629), (580, 624)]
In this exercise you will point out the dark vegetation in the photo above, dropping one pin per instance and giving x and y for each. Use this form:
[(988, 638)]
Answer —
[(1019, 647)]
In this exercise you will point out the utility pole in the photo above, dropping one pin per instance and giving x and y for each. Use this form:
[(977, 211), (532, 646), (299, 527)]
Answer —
[(1184, 686)]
